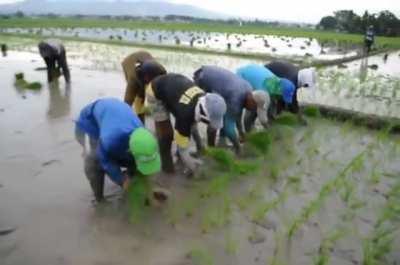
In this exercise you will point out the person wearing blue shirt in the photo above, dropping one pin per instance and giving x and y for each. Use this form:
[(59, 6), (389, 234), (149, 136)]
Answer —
[(263, 79), (238, 95), (117, 139)]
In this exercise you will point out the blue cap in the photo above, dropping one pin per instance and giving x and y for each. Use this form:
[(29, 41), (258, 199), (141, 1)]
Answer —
[(288, 90)]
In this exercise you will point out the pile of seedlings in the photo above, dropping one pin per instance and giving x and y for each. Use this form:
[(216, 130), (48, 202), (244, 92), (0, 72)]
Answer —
[(21, 83)]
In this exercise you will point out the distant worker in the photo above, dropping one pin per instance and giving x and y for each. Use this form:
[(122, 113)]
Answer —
[(262, 79), (238, 95), (369, 38), (140, 69), (54, 55), (4, 49), (305, 77), (177, 94), (117, 140)]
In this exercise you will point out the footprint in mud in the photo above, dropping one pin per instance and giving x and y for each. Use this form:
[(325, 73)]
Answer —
[(50, 162)]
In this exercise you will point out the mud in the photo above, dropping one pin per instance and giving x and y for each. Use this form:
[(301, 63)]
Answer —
[(47, 197)]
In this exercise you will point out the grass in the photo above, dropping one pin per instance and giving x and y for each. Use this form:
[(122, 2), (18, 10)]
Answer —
[(323, 36)]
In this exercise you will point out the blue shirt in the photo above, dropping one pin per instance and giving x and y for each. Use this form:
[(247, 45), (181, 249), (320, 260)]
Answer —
[(111, 122), (231, 87), (256, 75)]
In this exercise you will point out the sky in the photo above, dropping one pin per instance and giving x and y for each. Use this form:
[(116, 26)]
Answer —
[(286, 10)]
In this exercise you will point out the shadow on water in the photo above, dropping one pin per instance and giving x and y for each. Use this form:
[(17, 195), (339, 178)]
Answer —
[(59, 100)]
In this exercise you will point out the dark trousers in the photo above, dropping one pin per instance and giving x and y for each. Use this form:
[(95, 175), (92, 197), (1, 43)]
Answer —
[(56, 62)]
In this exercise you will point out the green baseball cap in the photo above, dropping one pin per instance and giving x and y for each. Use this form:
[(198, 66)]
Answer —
[(273, 86), (144, 148)]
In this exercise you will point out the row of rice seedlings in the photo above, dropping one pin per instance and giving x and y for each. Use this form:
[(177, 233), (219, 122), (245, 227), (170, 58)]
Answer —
[(315, 205), (263, 208), (379, 243)]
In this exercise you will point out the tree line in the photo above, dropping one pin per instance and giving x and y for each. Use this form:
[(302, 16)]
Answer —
[(385, 23)]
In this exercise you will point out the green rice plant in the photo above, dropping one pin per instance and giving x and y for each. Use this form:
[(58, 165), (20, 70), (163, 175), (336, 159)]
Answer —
[(323, 257), (231, 245), (200, 256), (138, 193), (20, 82), (278, 249), (287, 119), (217, 215), (379, 243), (311, 111), (223, 158), (261, 141), (263, 208)]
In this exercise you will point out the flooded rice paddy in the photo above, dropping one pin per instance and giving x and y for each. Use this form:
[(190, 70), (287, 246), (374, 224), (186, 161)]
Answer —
[(244, 43), (322, 194)]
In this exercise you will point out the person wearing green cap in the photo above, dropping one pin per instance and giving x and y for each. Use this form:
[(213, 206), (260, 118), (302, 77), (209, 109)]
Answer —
[(117, 140)]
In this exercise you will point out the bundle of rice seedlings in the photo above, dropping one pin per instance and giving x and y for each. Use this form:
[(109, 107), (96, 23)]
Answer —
[(20, 82), (261, 141), (311, 111)]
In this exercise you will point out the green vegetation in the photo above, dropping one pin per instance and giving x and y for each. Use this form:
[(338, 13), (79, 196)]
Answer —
[(380, 241), (200, 256), (20, 82), (204, 27), (138, 195)]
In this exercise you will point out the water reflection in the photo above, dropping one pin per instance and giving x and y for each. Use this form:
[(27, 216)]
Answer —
[(59, 100)]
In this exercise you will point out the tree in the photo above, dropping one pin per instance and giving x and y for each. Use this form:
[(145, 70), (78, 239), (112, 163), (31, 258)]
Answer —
[(328, 23), (19, 14)]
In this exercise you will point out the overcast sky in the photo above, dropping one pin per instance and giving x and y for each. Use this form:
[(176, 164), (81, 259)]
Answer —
[(288, 10)]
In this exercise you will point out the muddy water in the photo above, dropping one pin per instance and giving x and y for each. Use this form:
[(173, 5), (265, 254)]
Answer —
[(274, 45), (45, 196)]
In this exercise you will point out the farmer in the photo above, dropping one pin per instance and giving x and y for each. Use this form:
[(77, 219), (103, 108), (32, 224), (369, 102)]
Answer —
[(262, 79), (140, 69), (4, 49), (305, 77), (238, 95), (177, 94), (369, 38), (117, 140), (54, 55)]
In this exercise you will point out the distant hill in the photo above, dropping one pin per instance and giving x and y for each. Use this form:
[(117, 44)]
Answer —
[(113, 8)]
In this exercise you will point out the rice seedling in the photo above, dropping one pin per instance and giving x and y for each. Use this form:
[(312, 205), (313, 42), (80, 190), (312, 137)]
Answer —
[(323, 257), (20, 82), (200, 256), (311, 112), (261, 141), (263, 208), (231, 244), (138, 194), (287, 119), (380, 241)]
